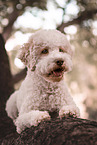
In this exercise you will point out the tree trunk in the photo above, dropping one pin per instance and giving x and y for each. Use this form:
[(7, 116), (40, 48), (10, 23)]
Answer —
[(6, 88), (68, 131)]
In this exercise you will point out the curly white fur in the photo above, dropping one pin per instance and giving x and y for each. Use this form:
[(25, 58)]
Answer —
[(48, 56)]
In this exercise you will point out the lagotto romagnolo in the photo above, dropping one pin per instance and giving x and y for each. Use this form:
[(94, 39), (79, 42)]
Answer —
[(48, 56)]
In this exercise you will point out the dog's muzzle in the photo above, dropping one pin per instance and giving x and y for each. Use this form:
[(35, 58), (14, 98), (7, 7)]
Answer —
[(59, 69)]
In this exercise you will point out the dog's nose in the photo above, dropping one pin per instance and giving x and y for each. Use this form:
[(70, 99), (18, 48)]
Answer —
[(59, 62)]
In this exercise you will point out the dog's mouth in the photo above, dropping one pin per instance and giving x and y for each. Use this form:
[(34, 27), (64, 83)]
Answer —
[(57, 72)]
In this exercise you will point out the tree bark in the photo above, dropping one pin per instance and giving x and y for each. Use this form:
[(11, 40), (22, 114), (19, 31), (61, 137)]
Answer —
[(6, 88), (68, 131)]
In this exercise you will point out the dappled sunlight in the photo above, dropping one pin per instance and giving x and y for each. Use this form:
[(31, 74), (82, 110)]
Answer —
[(17, 39), (18, 63), (71, 30), (72, 8)]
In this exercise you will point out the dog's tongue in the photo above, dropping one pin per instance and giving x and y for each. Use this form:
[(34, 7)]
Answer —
[(57, 73)]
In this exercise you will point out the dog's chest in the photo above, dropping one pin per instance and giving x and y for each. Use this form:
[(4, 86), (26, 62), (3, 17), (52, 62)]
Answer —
[(47, 99), (41, 95)]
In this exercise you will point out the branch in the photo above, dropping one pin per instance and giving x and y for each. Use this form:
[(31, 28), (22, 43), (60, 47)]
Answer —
[(83, 16), (8, 29), (68, 131)]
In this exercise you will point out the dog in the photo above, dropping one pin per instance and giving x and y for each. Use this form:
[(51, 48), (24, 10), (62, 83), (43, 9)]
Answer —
[(43, 93)]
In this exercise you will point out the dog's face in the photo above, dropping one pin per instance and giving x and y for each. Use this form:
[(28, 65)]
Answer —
[(48, 53)]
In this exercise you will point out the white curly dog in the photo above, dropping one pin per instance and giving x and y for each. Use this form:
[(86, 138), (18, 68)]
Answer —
[(48, 56)]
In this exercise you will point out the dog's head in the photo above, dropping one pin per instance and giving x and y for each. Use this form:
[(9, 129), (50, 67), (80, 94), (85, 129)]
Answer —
[(48, 53)]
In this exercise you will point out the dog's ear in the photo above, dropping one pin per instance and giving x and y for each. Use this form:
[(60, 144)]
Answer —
[(24, 52)]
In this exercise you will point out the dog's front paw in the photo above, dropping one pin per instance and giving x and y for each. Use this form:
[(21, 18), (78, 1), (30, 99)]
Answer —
[(40, 116), (67, 111), (32, 118)]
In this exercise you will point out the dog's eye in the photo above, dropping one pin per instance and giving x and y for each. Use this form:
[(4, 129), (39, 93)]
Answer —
[(61, 50), (45, 51)]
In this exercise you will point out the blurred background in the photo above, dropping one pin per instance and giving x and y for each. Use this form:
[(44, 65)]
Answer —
[(75, 18)]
